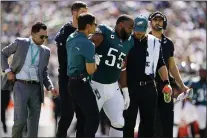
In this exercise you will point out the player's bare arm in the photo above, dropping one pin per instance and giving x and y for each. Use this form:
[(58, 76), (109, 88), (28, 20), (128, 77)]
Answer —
[(123, 76), (96, 38), (175, 73), (123, 85), (163, 73)]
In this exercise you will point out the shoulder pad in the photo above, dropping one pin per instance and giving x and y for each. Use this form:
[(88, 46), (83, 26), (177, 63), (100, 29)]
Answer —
[(104, 28)]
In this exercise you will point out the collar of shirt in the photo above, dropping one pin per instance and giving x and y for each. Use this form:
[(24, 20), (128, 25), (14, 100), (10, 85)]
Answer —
[(163, 36), (142, 39), (32, 42), (81, 34)]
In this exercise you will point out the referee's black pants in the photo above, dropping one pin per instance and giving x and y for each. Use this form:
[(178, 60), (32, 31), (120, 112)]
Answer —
[(84, 98), (165, 119), (67, 110), (143, 98)]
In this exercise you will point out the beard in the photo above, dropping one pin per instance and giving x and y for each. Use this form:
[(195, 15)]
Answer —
[(140, 36), (156, 27), (124, 34)]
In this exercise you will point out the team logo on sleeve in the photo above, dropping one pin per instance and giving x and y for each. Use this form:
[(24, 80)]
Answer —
[(112, 36)]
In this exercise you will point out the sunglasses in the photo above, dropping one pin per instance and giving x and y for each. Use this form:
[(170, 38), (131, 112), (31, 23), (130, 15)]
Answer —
[(95, 24), (43, 36)]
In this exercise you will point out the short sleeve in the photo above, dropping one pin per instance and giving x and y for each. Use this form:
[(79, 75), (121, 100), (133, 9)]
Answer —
[(89, 52), (172, 49), (161, 61)]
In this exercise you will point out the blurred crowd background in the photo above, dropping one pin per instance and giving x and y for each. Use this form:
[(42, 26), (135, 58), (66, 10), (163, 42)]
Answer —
[(186, 25)]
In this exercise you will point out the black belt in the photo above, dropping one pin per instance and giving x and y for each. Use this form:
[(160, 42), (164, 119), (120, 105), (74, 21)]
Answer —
[(78, 77), (144, 83), (28, 82)]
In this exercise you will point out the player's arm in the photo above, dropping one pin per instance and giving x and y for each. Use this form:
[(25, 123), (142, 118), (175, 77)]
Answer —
[(90, 68), (162, 70), (123, 76), (123, 85), (96, 38), (173, 69), (176, 74), (89, 54)]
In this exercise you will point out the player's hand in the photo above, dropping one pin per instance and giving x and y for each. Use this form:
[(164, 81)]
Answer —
[(185, 95), (54, 92), (167, 89), (184, 88), (11, 76), (97, 59), (126, 98), (197, 136)]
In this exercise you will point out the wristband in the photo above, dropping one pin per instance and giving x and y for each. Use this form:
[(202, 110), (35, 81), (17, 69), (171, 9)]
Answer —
[(166, 82)]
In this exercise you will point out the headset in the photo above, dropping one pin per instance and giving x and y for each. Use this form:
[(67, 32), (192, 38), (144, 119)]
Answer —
[(152, 15)]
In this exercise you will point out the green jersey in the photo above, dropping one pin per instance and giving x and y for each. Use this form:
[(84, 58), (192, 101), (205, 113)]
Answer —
[(112, 53), (200, 94)]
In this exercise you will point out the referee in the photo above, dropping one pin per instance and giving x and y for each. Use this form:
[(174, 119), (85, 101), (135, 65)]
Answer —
[(158, 22), (142, 62), (81, 64), (67, 113)]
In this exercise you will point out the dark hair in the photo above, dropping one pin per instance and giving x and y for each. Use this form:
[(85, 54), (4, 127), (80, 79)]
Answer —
[(37, 26), (123, 18), (152, 15), (77, 5), (84, 19)]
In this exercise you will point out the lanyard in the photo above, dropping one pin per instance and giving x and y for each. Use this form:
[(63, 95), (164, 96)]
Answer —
[(35, 56), (154, 73)]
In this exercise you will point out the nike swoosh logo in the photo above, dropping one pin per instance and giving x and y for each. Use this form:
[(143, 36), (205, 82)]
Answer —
[(77, 48)]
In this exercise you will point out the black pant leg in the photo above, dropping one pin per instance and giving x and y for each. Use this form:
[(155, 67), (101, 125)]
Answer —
[(166, 116), (158, 124), (67, 111), (80, 122), (130, 114), (203, 133), (84, 97), (147, 108), (5, 97), (57, 110)]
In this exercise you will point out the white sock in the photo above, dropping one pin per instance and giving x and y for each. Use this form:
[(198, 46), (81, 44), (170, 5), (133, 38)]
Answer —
[(115, 133)]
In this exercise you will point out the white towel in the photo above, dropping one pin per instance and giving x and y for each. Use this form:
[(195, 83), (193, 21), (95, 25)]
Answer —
[(153, 54)]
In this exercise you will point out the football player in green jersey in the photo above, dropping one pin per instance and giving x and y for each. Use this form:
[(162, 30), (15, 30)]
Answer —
[(112, 46), (200, 100)]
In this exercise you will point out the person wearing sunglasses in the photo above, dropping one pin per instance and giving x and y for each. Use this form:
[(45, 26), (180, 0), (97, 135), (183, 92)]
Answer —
[(26, 76)]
